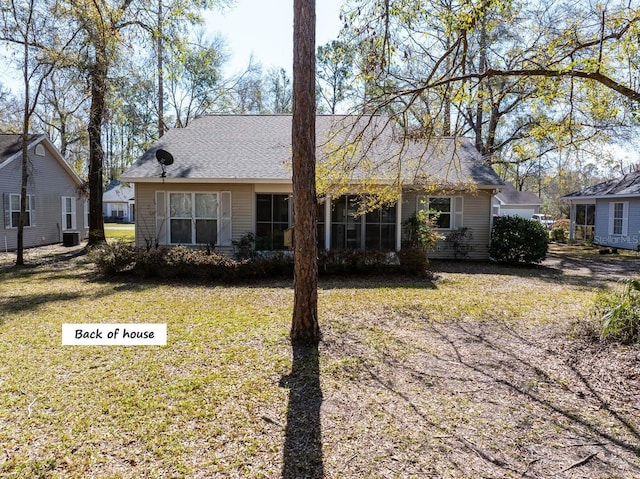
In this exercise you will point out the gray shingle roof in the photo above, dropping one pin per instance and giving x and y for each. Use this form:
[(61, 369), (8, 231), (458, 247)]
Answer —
[(10, 144), (118, 192), (510, 196), (628, 185), (254, 148)]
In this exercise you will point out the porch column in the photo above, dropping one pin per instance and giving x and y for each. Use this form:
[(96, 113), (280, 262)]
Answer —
[(327, 222), (399, 223), (572, 221)]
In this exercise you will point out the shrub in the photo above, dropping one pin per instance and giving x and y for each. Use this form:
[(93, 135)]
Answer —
[(560, 231), (244, 247), (619, 313), (413, 261), (421, 231), (354, 261), (114, 257), (517, 240)]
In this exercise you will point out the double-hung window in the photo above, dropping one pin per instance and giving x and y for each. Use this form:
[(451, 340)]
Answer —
[(619, 218), (193, 218), (12, 208), (68, 213)]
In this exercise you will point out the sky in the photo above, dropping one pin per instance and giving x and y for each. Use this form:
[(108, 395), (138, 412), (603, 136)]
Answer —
[(265, 28)]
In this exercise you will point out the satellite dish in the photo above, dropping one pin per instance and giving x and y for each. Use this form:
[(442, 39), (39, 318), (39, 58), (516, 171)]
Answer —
[(164, 157)]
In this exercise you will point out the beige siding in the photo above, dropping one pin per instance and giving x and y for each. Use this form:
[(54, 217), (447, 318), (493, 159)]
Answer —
[(242, 198), (476, 215)]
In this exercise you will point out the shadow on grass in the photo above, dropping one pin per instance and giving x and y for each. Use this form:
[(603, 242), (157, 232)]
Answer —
[(30, 302), (302, 457)]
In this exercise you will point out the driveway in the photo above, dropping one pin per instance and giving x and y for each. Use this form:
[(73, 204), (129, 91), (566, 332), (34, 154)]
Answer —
[(584, 261)]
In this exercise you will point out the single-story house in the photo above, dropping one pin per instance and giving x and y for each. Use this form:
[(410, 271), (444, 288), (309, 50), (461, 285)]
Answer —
[(513, 202), (231, 176), (118, 202), (607, 213), (55, 207)]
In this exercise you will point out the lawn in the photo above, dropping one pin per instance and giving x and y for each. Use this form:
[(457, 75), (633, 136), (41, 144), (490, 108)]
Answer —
[(479, 371), (122, 231)]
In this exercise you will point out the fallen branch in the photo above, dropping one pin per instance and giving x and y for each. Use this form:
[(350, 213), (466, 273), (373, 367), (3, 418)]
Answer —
[(30, 406), (581, 462)]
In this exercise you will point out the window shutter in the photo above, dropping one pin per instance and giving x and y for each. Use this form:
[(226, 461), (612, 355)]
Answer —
[(32, 209), (74, 223), (63, 209), (7, 211), (625, 218), (161, 217), (612, 211), (224, 238), (457, 212)]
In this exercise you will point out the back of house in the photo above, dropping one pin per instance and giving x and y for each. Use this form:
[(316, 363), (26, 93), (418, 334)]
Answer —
[(231, 177)]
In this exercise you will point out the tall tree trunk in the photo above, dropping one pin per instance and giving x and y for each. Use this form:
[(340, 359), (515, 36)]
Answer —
[(160, 74), (25, 157), (98, 74), (304, 327)]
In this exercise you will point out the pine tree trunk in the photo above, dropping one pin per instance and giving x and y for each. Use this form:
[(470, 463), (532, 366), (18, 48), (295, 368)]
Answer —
[(304, 327), (96, 154)]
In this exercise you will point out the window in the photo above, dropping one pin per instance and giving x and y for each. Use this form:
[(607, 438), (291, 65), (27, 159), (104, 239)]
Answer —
[(346, 224), (86, 213), (619, 218), (68, 213), (321, 225), (380, 228), (373, 230), (439, 208), (585, 222), (193, 218), (272, 218), (118, 210), (12, 209)]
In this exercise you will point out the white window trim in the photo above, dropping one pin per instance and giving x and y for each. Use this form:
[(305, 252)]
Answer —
[(455, 213), (73, 213), (193, 217), (625, 218), (30, 208)]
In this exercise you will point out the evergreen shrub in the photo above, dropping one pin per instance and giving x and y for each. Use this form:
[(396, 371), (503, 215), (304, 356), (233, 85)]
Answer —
[(516, 240)]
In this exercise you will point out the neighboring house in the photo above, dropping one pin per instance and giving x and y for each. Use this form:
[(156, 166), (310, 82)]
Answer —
[(55, 207), (512, 202), (607, 213), (118, 202), (232, 176)]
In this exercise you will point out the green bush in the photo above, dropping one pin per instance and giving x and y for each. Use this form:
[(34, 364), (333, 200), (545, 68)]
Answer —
[(421, 231), (114, 257), (516, 240), (413, 261), (619, 313), (560, 230)]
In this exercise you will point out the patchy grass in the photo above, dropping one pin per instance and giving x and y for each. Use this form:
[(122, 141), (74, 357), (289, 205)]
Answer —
[(470, 374), (122, 231)]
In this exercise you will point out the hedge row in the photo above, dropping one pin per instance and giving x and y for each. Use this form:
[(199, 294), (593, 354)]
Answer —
[(190, 263)]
